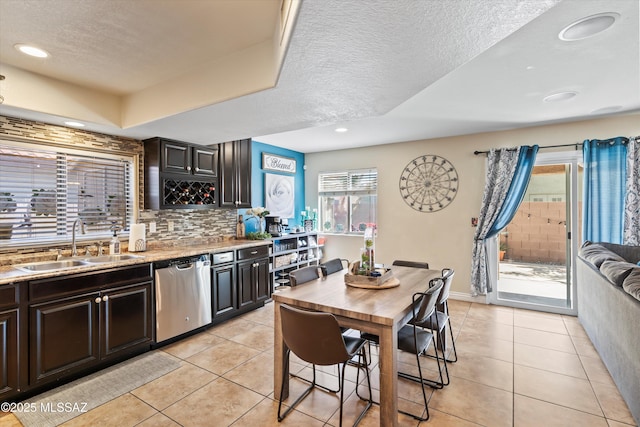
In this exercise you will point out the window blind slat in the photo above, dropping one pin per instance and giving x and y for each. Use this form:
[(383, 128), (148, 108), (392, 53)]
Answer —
[(43, 191)]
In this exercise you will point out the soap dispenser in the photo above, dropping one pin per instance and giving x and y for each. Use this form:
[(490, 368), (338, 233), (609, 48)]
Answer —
[(114, 244)]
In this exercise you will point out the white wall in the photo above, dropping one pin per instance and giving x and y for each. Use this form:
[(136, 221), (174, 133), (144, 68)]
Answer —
[(443, 238)]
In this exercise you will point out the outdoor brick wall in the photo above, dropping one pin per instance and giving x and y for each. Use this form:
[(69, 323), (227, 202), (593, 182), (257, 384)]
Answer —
[(537, 233)]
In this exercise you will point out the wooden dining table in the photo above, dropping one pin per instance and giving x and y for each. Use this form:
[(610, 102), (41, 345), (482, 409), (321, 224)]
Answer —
[(378, 311)]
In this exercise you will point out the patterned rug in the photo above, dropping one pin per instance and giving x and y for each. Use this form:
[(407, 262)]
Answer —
[(63, 403)]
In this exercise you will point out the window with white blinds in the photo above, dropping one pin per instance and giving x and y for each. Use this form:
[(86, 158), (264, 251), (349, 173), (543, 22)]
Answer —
[(347, 200), (43, 190)]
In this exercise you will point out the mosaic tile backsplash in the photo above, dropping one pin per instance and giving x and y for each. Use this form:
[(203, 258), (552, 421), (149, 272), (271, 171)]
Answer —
[(189, 226)]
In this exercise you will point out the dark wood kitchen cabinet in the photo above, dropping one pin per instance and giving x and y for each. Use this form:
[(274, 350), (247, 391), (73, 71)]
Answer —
[(180, 175), (254, 285), (182, 158), (64, 337), (235, 174), (11, 369), (224, 291), (80, 321), (126, 319)]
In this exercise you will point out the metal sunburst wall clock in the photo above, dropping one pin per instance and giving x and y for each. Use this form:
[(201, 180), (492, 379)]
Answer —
[(429, 183)]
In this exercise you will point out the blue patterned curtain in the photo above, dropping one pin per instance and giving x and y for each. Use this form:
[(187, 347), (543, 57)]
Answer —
[(604, 190), (508, 174), (632, 199)]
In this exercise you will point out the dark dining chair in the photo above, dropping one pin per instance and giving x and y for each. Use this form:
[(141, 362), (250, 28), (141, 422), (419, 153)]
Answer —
[(299, 277), (315, 338), (304, 275), (414, 264), (416, 340), (440, 318), (400, 263), (333, 266)]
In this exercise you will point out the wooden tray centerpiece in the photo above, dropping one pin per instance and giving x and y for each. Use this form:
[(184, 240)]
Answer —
[(384, 281)]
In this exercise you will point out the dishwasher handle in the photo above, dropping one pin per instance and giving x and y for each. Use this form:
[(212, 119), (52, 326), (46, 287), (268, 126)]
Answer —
[(183, 265)]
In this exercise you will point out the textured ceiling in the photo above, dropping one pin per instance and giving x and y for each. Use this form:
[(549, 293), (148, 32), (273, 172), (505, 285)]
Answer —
[(123, 46), (390, 71)]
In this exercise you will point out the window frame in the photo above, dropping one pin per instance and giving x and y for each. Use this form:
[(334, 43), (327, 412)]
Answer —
[(132, 160), (370, 188)]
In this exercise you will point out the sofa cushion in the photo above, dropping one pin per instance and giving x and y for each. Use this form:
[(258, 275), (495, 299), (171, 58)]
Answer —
[(631, 284), (597, 254), (616, 271), (628, 252)]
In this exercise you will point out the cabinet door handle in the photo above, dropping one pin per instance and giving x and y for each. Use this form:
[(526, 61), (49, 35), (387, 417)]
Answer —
[(197, 169), (254, 252), (98, 300), (105, 298), (188, 168)]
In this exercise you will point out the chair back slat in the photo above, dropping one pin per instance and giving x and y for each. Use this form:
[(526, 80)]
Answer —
[(414, 264), (332, 266), (427, 300), (313, 336), (304, 275), (447, 277)]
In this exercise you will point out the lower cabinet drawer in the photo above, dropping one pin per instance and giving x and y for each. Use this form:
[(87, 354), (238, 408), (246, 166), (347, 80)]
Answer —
[(254, 252)]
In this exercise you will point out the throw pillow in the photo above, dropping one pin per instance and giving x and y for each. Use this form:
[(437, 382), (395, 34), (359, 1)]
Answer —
[(597, 254), (616, 271), (631, 284)]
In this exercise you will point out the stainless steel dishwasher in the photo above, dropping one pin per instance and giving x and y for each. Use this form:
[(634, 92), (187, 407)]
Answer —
[(183, 295)]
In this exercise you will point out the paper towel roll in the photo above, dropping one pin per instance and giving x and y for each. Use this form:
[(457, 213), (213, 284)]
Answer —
[(137, 239)]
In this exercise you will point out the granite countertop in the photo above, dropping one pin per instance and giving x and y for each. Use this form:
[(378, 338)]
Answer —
[(9, 274)]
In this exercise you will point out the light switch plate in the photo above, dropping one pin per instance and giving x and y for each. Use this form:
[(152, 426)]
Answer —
[(152, 227)]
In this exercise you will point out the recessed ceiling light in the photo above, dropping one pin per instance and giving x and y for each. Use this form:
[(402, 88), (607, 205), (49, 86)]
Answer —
[(32, 50), (559, 96), (74, 124), (341, 130), (589, 26), (607, 110)]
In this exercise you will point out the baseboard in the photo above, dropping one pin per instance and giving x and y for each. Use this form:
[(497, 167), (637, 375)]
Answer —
[(462, 296)]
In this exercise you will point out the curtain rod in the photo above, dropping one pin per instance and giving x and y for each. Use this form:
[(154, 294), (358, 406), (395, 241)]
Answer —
[(576, 145)]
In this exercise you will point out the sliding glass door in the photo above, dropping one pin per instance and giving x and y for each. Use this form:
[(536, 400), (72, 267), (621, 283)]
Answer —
[(536, 251)]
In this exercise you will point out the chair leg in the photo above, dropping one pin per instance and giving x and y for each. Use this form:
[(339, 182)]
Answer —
[(431, 383), (363, 355), (422, 382), (299, 399), (453, 344), (441, 337), (362, 364), (330, 390)]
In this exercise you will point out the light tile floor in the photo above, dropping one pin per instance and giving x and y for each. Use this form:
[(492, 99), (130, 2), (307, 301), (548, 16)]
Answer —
[(516, 368)]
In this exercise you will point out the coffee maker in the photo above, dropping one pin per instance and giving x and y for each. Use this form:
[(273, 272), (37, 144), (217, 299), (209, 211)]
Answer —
[(274, 225)]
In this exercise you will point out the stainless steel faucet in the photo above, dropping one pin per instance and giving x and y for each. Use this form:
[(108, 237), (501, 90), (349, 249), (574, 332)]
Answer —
[(74, 251)]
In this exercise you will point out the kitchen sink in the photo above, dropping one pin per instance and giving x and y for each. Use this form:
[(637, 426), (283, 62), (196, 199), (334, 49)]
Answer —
[(63, 264), (110, 258), (51, 265)]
